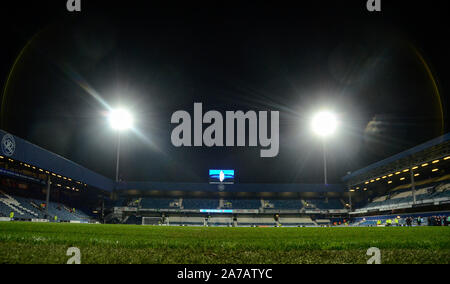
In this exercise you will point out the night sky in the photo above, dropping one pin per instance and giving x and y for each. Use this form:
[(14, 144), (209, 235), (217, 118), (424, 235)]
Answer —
[(377, 71)]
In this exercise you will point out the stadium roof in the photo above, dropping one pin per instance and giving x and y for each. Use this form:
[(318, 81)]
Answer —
[(428, 151), (26, 152), (29, 153)]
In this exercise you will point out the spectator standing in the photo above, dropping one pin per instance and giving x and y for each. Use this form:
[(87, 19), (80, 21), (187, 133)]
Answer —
[(408, 221)]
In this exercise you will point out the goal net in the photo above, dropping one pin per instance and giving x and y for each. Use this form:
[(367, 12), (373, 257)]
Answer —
[(151, 220)]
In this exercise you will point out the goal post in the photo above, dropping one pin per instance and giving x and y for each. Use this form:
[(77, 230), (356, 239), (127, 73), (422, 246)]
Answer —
[(151, 220)]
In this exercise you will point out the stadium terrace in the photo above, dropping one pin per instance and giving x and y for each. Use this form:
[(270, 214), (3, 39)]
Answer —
[(213, 135)]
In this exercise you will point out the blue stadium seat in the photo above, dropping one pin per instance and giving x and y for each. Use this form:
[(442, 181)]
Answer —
[(190, 203), (24, 209), (287, 204), (156, 203), (245, 203)]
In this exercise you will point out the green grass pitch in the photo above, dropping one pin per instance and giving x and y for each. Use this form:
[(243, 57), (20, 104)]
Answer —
[(48, 243)]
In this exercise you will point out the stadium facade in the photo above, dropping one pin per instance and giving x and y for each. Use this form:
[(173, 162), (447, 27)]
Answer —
[(40, 185)]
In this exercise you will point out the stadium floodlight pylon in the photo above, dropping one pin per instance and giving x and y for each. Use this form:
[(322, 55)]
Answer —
[(324, 124), (120, 120)]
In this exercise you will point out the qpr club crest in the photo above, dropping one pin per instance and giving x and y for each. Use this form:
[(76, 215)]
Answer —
[(8, 145)]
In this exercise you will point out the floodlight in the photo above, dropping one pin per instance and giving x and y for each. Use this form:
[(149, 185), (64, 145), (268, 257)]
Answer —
[(324, 123), (120, 119)]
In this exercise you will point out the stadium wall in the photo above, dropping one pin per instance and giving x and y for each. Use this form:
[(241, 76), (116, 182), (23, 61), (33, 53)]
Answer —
[(206, 187)]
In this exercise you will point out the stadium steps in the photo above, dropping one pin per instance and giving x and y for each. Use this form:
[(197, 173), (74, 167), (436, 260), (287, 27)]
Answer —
[(27, 208), (17, 207)]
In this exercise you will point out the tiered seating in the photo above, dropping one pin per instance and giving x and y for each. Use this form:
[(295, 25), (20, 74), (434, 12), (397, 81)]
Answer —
[(24, 209), (443, 194), (4, 210), (400, 198), (422, 191), (323, 204), (62, 212), (287, 204), (245, 203), (278, 204), (200, 203), (380, 199), (156, 203), (21, 208), (402, 194)]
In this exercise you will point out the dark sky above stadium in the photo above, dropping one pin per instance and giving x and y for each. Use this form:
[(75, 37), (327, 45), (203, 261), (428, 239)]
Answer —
[(384, 74)]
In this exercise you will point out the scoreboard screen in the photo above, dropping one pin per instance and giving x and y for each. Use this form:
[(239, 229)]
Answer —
[(217, 176)]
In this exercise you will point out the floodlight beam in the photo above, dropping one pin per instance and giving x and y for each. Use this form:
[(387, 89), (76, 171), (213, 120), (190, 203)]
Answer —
[(324, 123), (120, 119)]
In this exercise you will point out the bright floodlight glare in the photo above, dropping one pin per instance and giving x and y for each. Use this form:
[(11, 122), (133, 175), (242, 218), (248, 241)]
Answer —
[(120, 119), (324, 123)]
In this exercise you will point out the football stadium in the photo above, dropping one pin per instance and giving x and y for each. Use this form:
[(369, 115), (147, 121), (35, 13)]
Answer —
[(109, 155), (47, 198)]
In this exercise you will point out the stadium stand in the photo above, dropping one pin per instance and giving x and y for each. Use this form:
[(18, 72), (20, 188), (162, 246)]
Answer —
[(191, 203), (28, 209), (324, 204), (21, 208), (245, 203), (159, 203), (367, 190), (404, 198), (284, 204)]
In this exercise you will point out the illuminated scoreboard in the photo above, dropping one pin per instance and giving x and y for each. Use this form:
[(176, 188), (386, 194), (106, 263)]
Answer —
[(218, 176)]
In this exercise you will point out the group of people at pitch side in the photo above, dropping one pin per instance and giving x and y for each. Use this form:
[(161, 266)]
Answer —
[(409, 221), (438, 220), (431, 221), (390, 222)]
